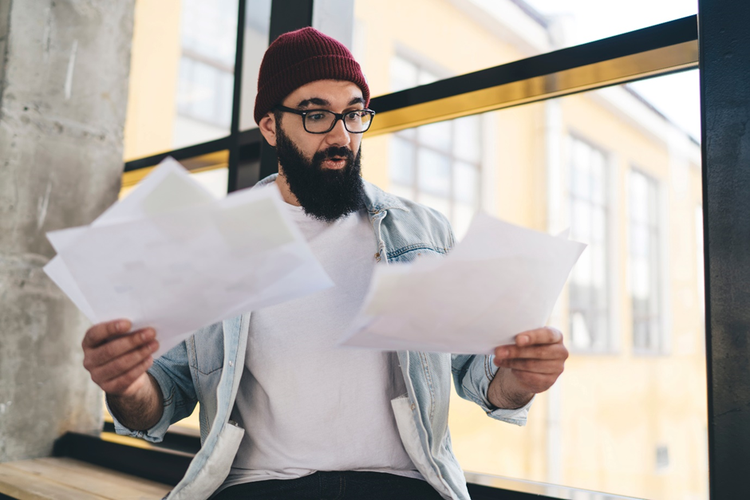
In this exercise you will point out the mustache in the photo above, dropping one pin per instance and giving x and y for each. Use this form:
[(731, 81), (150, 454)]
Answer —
[(334, 152)]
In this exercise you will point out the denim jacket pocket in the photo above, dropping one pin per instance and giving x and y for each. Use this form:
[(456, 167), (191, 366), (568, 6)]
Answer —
[(207, 349), (411, 252), (406, 423)]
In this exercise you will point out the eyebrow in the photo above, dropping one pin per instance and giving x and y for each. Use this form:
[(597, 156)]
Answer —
[(322, 102)]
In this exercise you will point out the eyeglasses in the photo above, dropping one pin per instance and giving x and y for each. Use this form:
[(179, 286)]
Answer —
[(322, 121)]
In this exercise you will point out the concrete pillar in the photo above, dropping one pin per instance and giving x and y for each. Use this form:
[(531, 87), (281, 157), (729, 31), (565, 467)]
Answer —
[(64, 68)]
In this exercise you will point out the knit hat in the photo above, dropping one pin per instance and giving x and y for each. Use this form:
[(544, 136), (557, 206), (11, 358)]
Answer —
[(300, 57)]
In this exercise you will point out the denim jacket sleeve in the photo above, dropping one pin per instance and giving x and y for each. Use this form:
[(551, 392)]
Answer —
[(472, 375), (172, 373)]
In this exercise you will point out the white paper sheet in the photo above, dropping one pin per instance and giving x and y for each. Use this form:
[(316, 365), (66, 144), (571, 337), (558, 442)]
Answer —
[(501, 280), (172, 257)]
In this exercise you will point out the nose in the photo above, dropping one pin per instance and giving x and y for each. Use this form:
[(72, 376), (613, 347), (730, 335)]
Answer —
[(338, 136)]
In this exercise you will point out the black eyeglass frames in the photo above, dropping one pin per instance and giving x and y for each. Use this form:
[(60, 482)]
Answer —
[(322, 121)]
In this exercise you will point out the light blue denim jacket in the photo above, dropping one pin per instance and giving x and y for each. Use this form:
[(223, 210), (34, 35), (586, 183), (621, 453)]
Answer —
[(207, 367)]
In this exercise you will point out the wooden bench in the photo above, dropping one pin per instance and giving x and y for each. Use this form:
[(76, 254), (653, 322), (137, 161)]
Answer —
[(63, 478), (111, 467)]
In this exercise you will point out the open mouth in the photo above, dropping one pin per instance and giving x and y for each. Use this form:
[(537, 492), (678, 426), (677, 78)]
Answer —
[(334, 162)]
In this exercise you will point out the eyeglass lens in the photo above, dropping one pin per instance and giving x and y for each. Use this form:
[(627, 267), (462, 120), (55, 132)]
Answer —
[(323, 121)]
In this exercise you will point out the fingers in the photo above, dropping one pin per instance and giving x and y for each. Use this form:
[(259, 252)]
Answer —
[(536, 360), (542, 343), (115, 358), (534, 382), (546, 335), (120, 365), (547, 351), (123, 384), (552, 367), (101, 332), (107, 352)]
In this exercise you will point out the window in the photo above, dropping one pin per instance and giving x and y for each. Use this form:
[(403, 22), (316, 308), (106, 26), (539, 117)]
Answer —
[(437, 164), (206, 77), (589, 291), (181, 76), (645, 284), (205, 91)]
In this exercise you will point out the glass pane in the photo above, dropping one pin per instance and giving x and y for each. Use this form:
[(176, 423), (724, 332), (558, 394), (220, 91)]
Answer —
[(403, 191), (257, 26), (404, 74), (439, 203), (609, 424), (421, 165), (466, 142), (181, 76), (446, 38), (401, 166), (582, 21), (671, 96), (209, 28), (434, 173), (466, 183), (437, 135), (645, 238), (639, 202), (182, 72)]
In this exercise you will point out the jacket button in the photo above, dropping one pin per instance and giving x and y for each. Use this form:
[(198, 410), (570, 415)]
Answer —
[(231, 363)]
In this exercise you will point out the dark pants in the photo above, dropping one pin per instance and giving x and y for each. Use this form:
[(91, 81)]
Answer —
[(345, 485)]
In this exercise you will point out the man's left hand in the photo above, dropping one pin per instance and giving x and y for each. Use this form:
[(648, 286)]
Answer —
[(528, 367)]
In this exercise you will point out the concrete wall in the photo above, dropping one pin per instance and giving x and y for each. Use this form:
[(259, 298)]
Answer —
[(63, 95)]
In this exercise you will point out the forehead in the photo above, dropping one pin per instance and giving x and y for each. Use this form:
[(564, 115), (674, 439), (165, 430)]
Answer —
[(338, 93)]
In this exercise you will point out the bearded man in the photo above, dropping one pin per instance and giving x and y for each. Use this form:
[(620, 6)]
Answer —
[(283, 412)]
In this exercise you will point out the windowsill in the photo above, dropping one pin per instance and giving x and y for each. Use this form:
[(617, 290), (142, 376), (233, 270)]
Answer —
[(544, 490)]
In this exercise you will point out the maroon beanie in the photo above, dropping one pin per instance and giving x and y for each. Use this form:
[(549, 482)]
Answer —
[(300, 57)]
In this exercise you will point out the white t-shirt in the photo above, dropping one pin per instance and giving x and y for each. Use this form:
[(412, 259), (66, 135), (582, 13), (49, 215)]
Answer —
[(305, 404)]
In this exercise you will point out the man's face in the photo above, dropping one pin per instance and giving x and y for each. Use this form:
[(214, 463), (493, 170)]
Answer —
[(321, 170)]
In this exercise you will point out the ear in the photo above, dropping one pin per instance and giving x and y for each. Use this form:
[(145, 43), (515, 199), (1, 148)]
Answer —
[(267, 127)]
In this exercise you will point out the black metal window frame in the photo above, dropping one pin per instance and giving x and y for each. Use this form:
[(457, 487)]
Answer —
[(724, 48)]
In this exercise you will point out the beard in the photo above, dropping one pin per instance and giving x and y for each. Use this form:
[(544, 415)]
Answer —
[(324, 194)]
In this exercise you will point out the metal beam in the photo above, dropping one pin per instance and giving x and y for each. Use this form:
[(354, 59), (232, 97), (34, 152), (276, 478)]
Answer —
[(234, 143), (286, 15), (653, 51), (725, 98)]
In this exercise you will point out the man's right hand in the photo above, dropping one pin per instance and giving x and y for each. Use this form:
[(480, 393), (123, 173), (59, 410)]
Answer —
[(117, 359)]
